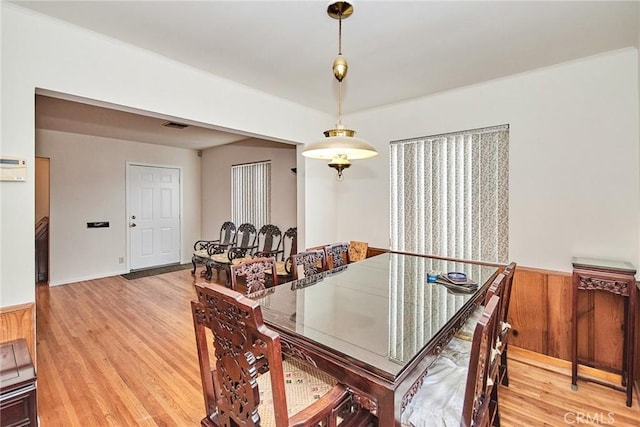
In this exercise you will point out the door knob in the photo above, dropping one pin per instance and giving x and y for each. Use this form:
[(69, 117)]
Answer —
[(133, 224)]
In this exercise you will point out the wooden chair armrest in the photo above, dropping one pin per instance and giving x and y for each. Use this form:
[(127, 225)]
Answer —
[(322, 409), (288, 264), (217, 248), (203, 244), (240, 251), (268, 254)]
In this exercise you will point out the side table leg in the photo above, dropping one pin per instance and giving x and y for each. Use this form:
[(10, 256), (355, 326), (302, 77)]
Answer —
[(625, 336), (574, 333)]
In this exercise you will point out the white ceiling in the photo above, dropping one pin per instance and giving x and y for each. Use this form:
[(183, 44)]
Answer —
[(396, 50)]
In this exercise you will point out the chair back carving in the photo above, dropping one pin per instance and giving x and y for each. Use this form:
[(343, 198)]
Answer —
[(243, 347), (357, 251), (289, 247), (509, 271), (245, 243), (269, 240), (227, 238), (479, 381), (227, 233), (308, 263), (254, 275), (289, 243), (505, 327), (337, 254), (497, 288)]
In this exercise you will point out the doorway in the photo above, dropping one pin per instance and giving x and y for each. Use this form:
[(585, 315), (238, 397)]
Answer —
[(153, 215), (42, 206)]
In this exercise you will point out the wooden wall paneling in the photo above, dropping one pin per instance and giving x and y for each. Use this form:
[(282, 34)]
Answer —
[(585, 326), (600, 334), (636, 369), (608, 333), (18, 321), (558, 315), (527, 310)]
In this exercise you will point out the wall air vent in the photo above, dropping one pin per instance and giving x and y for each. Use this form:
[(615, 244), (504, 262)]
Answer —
[(174, 125)]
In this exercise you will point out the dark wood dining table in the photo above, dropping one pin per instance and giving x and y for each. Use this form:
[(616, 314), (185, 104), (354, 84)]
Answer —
[(376, 325)]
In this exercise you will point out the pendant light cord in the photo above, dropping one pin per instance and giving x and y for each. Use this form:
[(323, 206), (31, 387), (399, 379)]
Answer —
[(339, 81)]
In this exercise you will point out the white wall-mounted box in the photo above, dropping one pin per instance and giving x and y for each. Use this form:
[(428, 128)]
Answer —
[(13, 169)]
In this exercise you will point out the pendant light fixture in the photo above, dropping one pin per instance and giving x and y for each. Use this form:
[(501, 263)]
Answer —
[(340, 145)]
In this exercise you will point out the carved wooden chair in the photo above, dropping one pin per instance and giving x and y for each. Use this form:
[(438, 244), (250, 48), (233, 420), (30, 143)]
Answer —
[(242, 248), (357, 251), (269, 239), (459, 349), (505, 327), (289, 247), (255, 274), (337, 255), (307, 263), (246, 383), (201, 252), (457, 395)]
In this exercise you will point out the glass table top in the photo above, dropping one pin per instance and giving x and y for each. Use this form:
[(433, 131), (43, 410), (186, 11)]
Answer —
[(380, 311), (603, 263)]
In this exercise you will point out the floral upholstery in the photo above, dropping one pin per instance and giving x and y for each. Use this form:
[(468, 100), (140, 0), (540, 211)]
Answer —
[(202, 253), (281, 269)]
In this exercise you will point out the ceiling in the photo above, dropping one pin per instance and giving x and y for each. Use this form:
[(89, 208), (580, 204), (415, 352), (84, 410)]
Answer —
[(396, 50), (74, 117)]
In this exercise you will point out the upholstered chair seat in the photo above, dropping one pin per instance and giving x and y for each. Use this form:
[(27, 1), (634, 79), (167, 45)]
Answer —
[(303, 386), (281, 268), (202, 253)]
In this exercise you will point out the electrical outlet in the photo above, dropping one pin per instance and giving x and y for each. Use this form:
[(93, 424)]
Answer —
[(121, 260)]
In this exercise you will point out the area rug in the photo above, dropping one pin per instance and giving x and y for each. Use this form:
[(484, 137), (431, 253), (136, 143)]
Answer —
[(156, 270)]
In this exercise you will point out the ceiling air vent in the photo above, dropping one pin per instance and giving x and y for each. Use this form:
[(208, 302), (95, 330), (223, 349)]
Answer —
[(174, 125)]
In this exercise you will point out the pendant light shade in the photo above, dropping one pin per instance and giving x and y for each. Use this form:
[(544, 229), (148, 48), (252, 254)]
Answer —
[(340, 141), (340, 145)]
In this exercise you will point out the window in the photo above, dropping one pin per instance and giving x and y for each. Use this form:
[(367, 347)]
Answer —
[(450, 194), (251, 193)]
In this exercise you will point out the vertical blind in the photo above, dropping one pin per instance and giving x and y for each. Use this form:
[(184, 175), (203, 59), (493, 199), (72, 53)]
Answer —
[(251, 193), (450, 194)]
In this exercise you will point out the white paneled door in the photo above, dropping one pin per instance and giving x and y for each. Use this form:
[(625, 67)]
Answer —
[(153, 216)]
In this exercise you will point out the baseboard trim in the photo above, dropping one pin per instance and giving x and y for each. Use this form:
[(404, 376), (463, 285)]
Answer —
[(85, 278), (562, 366)]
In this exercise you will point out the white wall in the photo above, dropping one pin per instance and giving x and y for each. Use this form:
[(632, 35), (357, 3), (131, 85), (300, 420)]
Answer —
[(565, 121), (216, 182), (88, 184), (39, 52), (573, 181)]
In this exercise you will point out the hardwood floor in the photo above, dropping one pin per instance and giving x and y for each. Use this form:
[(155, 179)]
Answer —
[(117, 352)]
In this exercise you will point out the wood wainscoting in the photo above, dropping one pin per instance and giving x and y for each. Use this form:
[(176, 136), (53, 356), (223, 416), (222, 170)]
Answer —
[(18, 321), (636, 368), (540, 314)]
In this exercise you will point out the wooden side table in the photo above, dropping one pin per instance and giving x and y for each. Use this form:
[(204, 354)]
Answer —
[(18, 401), (618, 278)]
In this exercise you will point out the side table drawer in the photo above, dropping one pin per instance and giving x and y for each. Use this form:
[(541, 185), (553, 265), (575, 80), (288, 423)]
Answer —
[(18, 399), (18, 408)]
